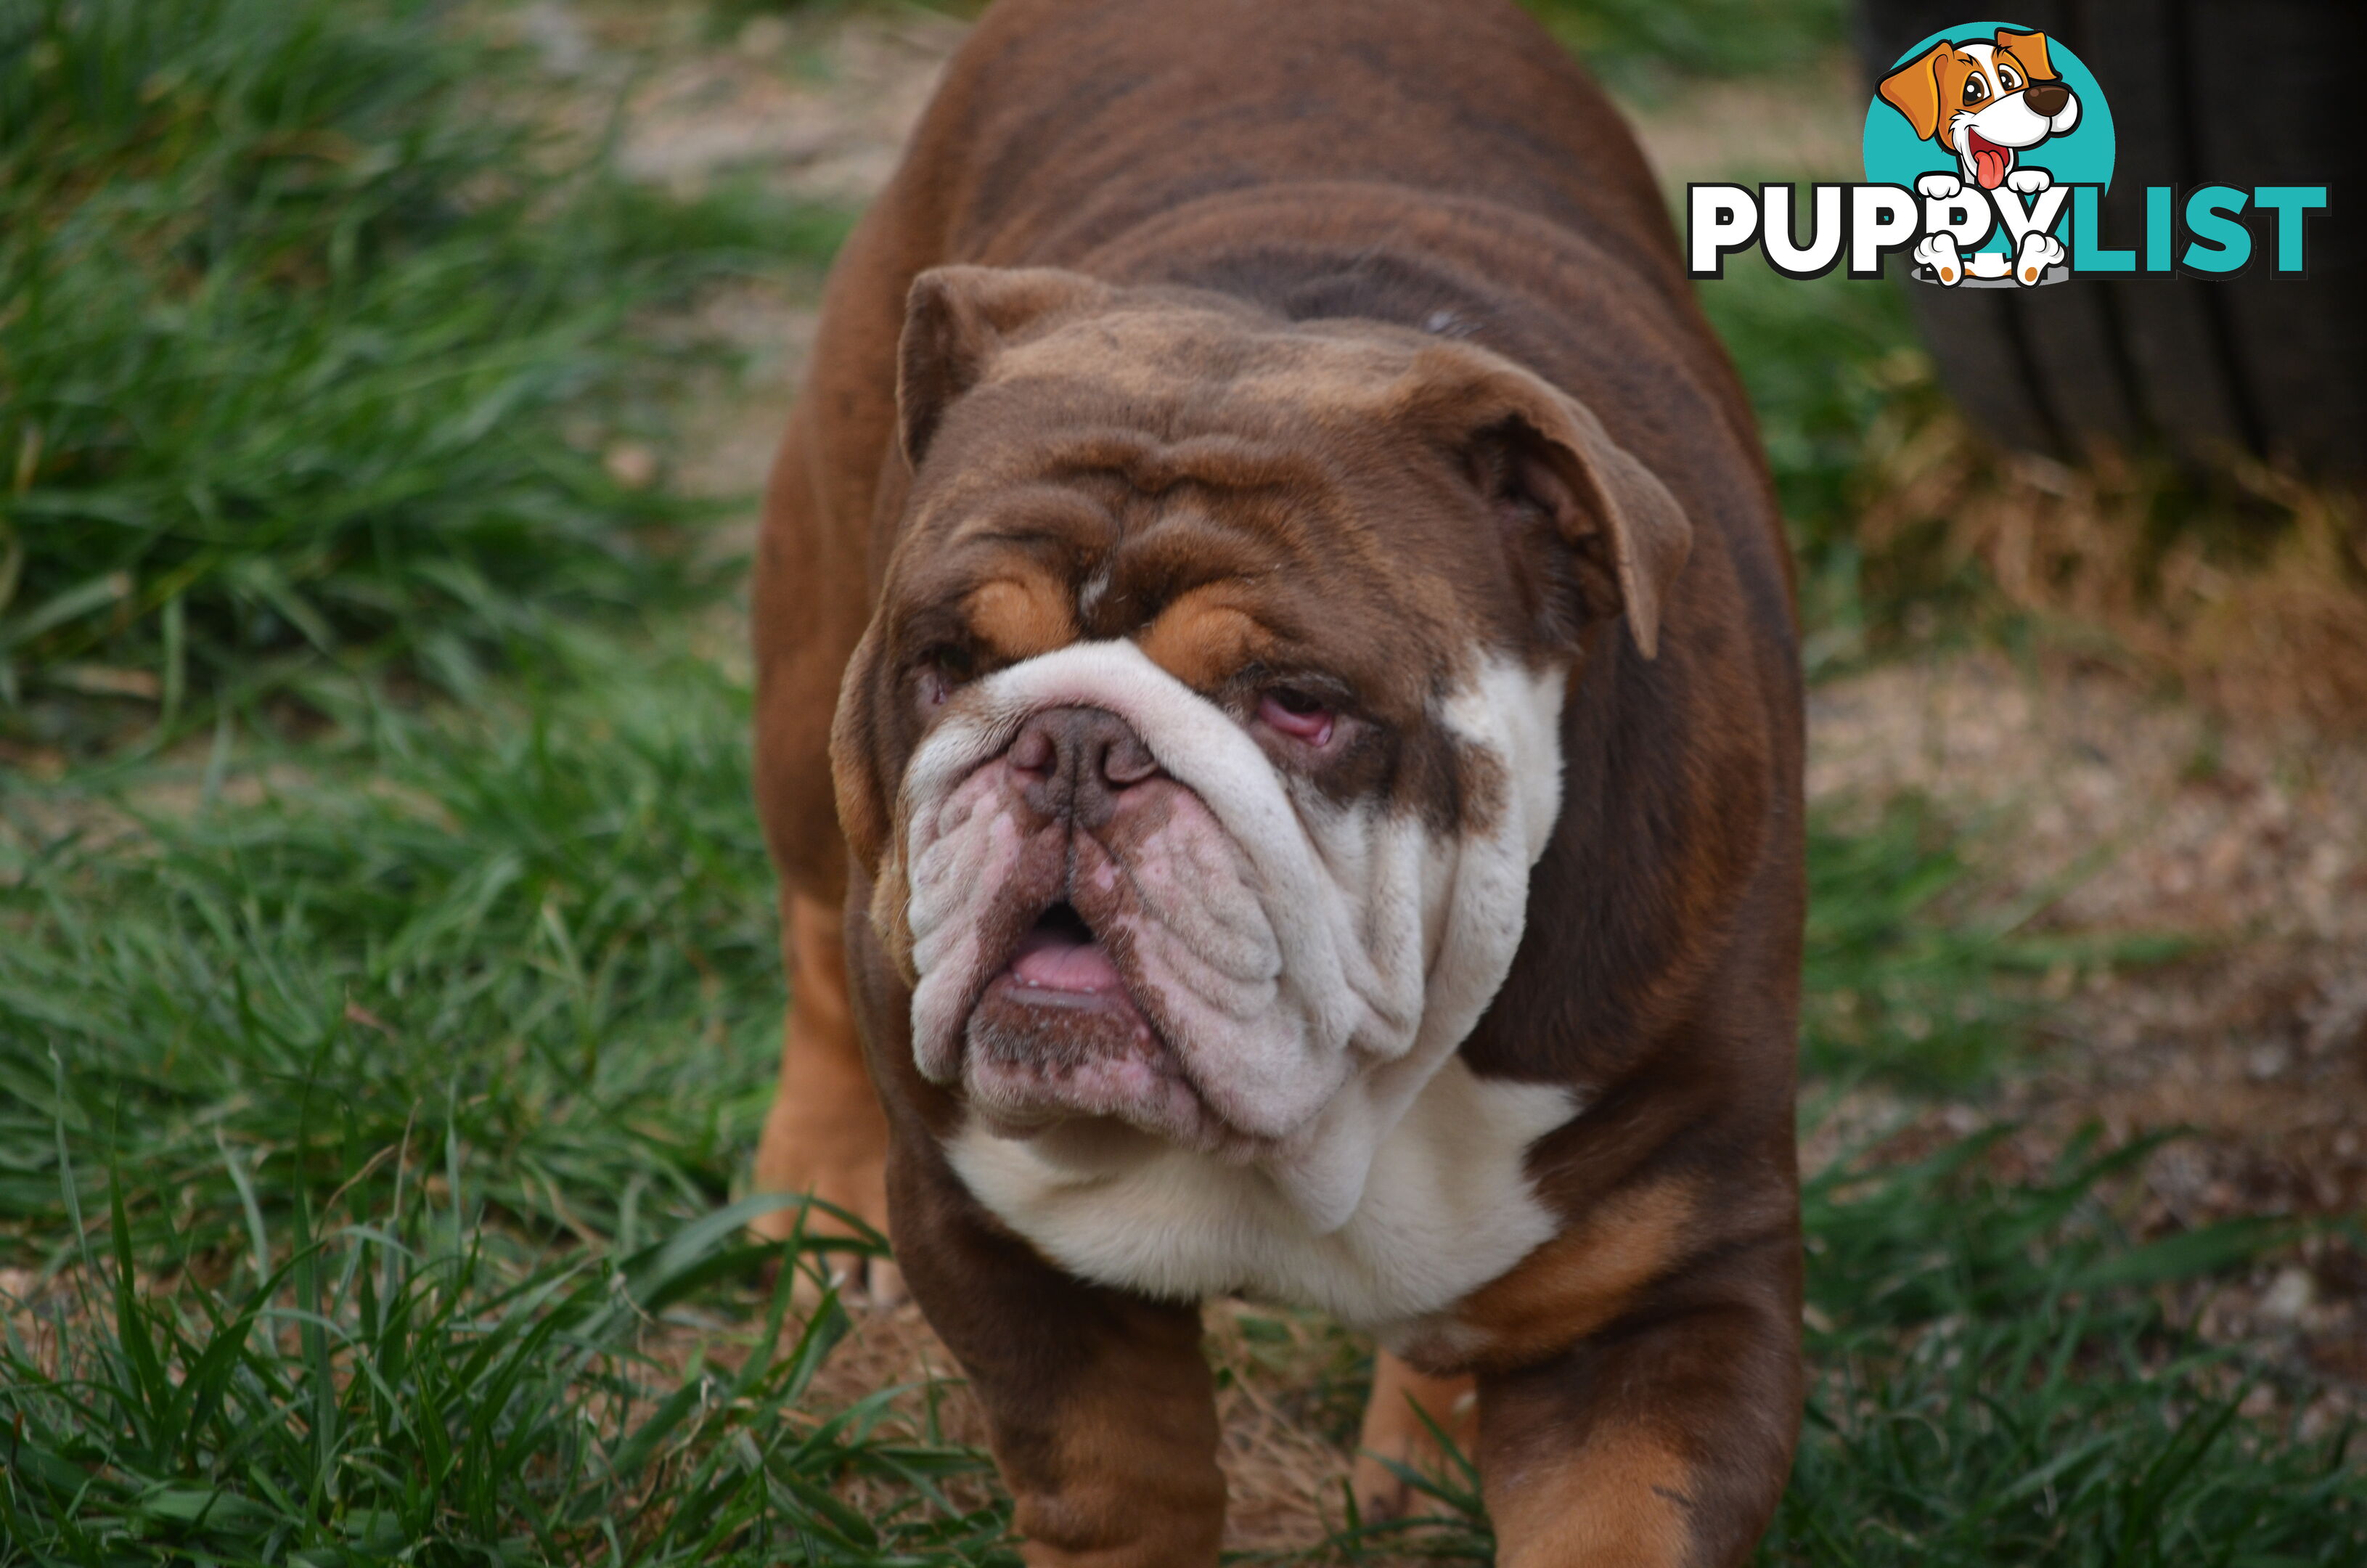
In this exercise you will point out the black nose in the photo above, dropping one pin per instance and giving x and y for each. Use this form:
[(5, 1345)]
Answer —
[(2047, 97), (1075, 762)]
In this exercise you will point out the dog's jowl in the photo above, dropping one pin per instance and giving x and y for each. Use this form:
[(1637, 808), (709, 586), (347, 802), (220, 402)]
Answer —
[(1279, 723)]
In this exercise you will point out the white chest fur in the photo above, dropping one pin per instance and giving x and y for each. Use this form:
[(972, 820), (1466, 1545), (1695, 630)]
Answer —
[(1447, 1208)]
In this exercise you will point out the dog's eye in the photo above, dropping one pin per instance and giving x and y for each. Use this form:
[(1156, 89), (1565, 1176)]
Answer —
[(2007, 81), (1974, 89), (943, 667), (1299, 714)]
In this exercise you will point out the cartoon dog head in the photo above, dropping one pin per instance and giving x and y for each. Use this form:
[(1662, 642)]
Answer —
[(1984, 101)]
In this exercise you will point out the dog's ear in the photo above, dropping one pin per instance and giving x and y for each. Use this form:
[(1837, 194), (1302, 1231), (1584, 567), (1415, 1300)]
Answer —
[(1914, 90), (865, 812), (2031, 50), (955, 319), (860, 740), (1535, 452)]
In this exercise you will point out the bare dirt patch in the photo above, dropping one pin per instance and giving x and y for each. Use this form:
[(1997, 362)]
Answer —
[(2102, 807)]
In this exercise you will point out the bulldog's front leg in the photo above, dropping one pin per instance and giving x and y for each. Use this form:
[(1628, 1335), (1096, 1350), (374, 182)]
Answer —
[(1100, 1407), (1666, 1446), (825, 1133)]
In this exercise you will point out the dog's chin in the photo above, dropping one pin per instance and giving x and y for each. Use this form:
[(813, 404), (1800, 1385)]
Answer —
[(1057, 1037)]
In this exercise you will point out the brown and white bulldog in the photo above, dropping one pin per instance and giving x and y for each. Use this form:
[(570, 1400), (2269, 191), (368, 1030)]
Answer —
[(1285, 585)]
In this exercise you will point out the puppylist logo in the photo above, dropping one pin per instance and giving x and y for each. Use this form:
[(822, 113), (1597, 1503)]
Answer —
[(1983, 104), (1988, 148)]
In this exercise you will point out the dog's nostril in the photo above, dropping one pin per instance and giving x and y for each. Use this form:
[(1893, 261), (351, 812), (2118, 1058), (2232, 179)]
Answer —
[(1088, 750), (1033, 752), (1128, 761)]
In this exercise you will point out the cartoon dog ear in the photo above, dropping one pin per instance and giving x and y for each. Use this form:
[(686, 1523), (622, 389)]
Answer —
[(955, 320), (2031, 50), (1914, 91), (1537, 452)]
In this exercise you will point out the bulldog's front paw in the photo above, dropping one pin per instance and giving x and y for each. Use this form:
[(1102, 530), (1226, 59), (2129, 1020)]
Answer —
[(2028, 182), (843, 1180), (2036, 253), (1939, 187), (1938, 251)]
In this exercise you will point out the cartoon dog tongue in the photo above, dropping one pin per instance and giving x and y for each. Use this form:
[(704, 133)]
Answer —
[(1990, 161)]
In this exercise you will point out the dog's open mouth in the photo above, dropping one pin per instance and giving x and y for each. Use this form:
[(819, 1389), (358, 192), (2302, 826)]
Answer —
[(1990, 162), (1059, 1034), (1060, 955)]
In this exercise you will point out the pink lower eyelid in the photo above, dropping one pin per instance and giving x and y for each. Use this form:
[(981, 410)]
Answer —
[(1314, 727)]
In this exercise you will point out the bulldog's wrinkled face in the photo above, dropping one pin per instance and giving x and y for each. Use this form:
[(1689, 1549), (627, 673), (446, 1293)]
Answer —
[(1208, 729)]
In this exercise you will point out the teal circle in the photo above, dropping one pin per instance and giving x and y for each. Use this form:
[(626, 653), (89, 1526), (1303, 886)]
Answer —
[(2082, 156)]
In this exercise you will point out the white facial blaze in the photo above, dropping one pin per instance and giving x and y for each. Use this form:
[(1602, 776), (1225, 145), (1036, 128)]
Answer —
[(1317, 964)]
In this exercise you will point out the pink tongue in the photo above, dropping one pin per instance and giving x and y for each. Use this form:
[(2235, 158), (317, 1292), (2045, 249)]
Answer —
[(1059, 962), (1989, 166)]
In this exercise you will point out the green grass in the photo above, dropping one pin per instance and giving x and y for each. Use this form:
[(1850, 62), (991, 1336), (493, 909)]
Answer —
[(1999, 1384), (377, 1073), (407, 1097), (1642, 44), (1908, 978), (395, 1389), (543, 928), (308, 356)]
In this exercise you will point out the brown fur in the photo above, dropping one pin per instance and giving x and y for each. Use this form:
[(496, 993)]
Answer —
[(1620, 1498), (1100, 1409), (824, 1134), (1018, 618), (1202, 637), (1571, 1286), (1344, 338)]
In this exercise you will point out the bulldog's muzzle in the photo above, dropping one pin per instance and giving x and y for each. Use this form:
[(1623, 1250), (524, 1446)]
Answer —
[(1065, 1025)]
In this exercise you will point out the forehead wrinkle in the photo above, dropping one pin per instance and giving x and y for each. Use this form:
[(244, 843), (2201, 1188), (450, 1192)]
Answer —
[(1225, 462), (1027, 508), (1227, 369), (1149, 349), (1292, 584), (1216, 461), (1190, 539), (1174, 550), (1052, 527)]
